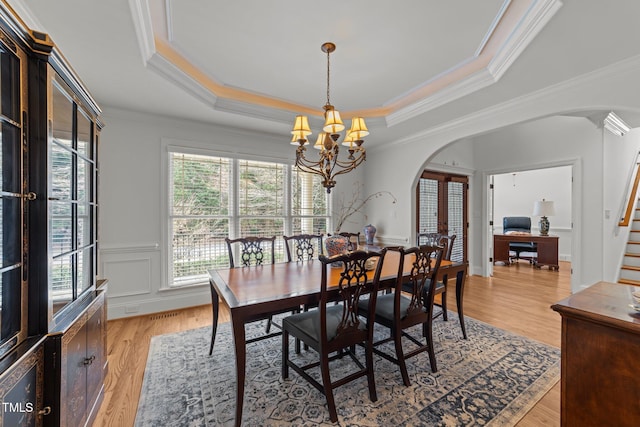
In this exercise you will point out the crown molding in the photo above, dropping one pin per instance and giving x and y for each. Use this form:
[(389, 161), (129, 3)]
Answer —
[(141, 16), (470, 84), (631, 64), (536, 18), (173, 73), (498, 50)]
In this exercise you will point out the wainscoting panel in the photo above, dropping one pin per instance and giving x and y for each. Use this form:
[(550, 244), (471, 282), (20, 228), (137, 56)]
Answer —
[(131, 270), (128, 277)]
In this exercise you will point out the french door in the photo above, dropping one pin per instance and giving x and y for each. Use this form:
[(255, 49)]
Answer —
[(441, 203)]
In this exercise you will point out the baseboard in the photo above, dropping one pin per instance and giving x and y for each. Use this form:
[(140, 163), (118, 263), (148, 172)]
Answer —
[(140, 307)]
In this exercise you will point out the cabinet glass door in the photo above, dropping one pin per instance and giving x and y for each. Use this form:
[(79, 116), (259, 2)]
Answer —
[(71, 204), (11, 202)]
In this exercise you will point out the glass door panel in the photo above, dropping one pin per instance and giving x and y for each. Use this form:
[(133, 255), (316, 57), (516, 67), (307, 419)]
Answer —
[(12, 330), (441, 201), (71, 204)]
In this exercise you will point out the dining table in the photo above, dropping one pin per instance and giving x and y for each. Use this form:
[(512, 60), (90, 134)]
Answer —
[(257, 292)]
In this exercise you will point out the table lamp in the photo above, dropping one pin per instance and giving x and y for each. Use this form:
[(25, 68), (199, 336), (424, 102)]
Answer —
[(543, 208)]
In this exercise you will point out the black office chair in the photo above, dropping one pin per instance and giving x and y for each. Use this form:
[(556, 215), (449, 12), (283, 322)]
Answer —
[(520, 224)]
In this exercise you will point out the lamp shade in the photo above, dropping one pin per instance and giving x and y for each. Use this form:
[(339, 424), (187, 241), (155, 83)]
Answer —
[(348, 141), (358, 129), (543, 208), (301, 127), (333, 122), (319, 145)]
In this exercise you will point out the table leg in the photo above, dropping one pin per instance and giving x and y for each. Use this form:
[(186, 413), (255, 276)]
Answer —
[(215, 302), (460, 279), (241, 360)]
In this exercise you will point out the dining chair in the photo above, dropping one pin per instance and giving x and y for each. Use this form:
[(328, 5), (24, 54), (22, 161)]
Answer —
[(304, 246), (252, 252), (354, 239), (401, 310), (446, 241), (334, 330)]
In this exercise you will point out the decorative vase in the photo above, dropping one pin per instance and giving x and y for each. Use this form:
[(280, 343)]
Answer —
[(544, 226), (369, 233), (336, 245)]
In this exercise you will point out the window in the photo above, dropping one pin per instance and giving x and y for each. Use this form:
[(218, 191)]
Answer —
[(211, 198), (441, 201)]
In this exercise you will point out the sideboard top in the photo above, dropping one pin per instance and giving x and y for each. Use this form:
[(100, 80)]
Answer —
[(603, 302)]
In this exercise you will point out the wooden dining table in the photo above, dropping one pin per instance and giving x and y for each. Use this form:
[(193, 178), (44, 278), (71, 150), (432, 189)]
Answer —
[(257, 292)]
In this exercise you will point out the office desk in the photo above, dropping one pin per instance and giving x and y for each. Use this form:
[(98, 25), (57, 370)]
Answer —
[(547, 249), (254, 293)]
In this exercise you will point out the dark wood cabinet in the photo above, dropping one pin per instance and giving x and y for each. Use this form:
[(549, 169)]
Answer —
[(79, 350), (52, 314), (600, 346), (21, 385)]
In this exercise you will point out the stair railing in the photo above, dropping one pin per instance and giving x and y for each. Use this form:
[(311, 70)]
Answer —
[(632, 194)]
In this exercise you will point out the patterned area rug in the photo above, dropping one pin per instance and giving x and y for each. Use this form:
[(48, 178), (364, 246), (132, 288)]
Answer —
[(491, 379)]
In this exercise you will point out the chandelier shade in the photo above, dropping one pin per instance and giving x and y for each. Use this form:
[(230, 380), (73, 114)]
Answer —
[(328, 165)]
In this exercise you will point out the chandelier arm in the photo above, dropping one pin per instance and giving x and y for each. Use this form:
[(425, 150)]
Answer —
[(309, 166), (355, 164), (356, 161)]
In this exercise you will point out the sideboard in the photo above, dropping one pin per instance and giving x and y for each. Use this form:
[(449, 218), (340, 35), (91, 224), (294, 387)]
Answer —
[(600, 380)]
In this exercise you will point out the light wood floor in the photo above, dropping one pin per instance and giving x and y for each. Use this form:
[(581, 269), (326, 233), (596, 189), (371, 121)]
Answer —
[(516, 298)]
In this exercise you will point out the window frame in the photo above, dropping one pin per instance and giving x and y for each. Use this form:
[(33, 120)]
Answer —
[(234, 217)]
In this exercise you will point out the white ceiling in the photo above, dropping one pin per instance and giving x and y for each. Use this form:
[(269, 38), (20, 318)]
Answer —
[(253, 64)]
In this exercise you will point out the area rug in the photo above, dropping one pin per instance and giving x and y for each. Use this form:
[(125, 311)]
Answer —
[(491, 379)]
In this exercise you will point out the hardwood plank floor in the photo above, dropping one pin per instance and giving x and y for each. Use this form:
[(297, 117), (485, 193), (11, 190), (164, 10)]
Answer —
[(517, 298)]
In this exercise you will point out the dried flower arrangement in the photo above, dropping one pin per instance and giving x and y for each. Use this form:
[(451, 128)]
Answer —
[(354, 205)]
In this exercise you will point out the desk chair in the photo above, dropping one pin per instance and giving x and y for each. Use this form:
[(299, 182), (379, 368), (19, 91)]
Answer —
[(519, 224), (337, 328), (399, 310)]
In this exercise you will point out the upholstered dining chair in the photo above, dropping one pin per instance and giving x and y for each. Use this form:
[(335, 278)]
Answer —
[(303, 247), (446, 241), (401, 310), (443, 239), (334, 330), (253, 251)]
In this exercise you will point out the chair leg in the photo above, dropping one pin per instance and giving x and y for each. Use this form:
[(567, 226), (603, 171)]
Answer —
[(397, 339), (428, 333), (285, 354), (370, 372), (269, 321), (443, 297), (328, 390)]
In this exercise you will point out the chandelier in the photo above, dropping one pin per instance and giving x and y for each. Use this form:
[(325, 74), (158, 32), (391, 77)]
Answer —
[(328, 166)]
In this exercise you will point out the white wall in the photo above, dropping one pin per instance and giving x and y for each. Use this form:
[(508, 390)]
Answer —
[(133, 255), (133, 218), (516, 192), (398, 165)]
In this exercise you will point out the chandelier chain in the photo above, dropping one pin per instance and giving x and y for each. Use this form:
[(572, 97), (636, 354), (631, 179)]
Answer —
[(328, 71)]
